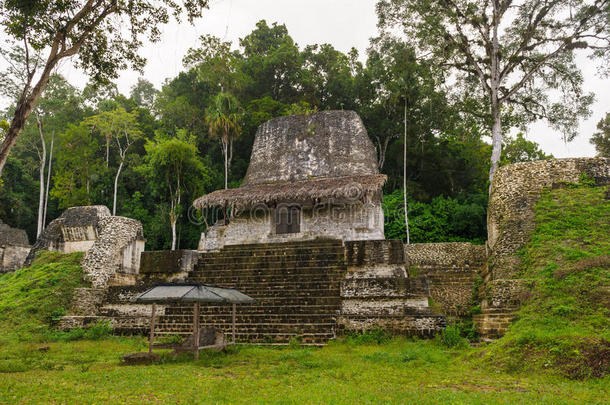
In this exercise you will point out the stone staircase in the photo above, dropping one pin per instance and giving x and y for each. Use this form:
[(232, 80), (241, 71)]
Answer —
[(296, 285), (493, 323)]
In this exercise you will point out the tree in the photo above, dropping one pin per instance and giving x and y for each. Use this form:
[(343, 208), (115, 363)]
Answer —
[(78, 165), (520, 149), (601, 139), (143, 93), (223, 118), (60, 30), (56, 104), (517, 52), (123, 128), (173, 164)]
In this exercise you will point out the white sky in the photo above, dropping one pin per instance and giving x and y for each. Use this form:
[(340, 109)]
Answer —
[(342, 23)]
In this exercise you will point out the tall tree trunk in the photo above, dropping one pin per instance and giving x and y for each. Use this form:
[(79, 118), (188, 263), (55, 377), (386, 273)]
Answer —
[(107, 152), (43, 163), (225, 146), (496, 143), (173, 215), (172, 221), (116, 184), (404, 175), (496, 129), (46, 198)]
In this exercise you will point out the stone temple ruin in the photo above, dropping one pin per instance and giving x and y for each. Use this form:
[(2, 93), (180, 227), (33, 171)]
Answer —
[(112, 244), (304, 236), (14, 248)]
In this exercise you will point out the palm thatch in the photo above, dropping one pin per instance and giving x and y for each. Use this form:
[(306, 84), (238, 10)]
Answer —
[(354, 188)]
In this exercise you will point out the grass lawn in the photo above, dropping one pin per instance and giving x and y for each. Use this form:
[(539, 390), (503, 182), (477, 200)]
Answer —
[(348, 371)]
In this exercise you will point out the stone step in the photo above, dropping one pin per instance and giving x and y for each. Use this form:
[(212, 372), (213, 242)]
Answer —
[(270, 318), (267, 310), (285, 245), (274, 252), (245, 257), (266, 286), (276, 279), (261, 329), (330, 266), (269, 338), (266, 253), (331, 270), (263, 294), (284, 301)]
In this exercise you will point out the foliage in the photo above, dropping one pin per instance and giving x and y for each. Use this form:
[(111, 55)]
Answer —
[(520, 149), (601, 139), (509, 58), (442, 219), (266, 76), (451, 336), (32, 298), (175, 170), (564, 325), (104, 34)]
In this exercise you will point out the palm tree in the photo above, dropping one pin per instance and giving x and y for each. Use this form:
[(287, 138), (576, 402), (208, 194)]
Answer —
[(223, 117)]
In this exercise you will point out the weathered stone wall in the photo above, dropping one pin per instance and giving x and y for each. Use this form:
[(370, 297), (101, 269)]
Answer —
[(167, 265), (345, 222), (451, 270), (115, 253), (14, 248), (12, 257), (300, 147), (377, 292), (515, 191), (12, 236)]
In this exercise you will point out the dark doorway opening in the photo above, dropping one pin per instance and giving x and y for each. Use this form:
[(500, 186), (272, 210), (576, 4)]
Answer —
[(287, 219)]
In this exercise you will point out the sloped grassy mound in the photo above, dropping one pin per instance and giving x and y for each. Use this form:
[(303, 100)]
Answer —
[(565, 326), (31, 297)]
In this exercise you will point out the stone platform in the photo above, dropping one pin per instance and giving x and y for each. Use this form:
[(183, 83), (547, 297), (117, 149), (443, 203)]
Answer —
[(311, 291)]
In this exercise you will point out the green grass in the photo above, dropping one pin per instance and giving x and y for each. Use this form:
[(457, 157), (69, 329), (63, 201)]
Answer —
[(565, 325), (558, 331), (344, 372), (31, 298)]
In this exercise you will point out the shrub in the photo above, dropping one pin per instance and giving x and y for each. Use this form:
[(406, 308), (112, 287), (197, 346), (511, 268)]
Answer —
[(452, 337)]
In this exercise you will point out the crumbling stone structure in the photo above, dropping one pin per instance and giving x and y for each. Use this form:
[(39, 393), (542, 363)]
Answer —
[(515, 191), (112, 244), (310, 176), (14, 248), (451, 269), (76, 230), (114, 258), (305, 239)]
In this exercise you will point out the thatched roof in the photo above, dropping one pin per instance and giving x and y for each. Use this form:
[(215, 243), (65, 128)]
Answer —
[(355, 188)]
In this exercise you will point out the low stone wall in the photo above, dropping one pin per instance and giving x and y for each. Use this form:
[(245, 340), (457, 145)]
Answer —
[(451, 270)]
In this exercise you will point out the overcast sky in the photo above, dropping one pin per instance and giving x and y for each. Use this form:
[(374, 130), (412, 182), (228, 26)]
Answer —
[(342, 23)]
